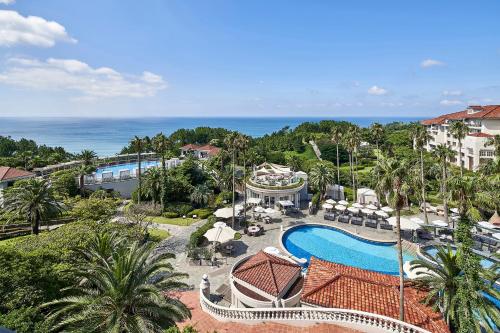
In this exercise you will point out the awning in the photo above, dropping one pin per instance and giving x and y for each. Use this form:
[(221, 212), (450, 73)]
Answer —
[(254, 201)]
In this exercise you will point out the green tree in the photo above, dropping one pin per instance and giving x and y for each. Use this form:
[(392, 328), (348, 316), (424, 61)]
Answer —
[(153, 184), (444, 154), (459, 131), (243, 143), (120, 288), (337, 134), (33, 200), (231, 144), (495, 142), (83, 170), (321, 175), (138, 145), (201, 194), (420, 138), (87, 156), (394, 179), (161, 145)]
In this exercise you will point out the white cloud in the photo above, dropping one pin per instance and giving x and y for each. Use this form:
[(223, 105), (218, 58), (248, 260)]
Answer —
[(375, 90), (450, 102), (452, 93), (7, 2), (431, 63), (80, 78), (31, 30)]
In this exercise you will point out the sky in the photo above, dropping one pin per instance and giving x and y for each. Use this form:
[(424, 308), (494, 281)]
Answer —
[(282, 58)]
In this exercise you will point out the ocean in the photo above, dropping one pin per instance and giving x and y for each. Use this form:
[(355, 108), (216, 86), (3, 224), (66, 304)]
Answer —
[(107, 136)]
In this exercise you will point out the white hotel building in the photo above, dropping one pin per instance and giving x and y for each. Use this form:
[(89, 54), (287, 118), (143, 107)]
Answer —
[(483, 122)]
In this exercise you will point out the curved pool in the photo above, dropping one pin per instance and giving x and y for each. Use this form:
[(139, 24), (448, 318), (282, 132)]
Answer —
[(115, 169), (332, 244)]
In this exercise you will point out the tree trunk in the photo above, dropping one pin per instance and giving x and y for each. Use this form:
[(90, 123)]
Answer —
[(244, 190), (460, 157), (234, 189), (400, 260), (139, 178), (445, 197), (36, 224), (357, 175), (422, 179), (351, 169), (378, 180), (338, 166), (163, 172), (81, 185)]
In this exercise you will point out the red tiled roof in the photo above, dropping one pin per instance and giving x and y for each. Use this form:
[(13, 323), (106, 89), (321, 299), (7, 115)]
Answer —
[(268, 273), (337, 286), (211, 150), (190, 146), (8, 173), (482, 112), (481, 135)]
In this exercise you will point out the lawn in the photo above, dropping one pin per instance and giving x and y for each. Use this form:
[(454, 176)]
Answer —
[(158, 234), (174, 221)]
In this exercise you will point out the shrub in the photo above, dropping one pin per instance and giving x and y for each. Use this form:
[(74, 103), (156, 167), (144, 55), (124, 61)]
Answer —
[(148, 209), (316, 200), (237, 236), (196, 238), (201, 213), (225, 196), (170, 215), (181, 208)]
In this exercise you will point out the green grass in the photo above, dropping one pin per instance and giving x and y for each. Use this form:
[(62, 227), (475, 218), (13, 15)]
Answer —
[(174, 221), (308, 153), (158, 234)]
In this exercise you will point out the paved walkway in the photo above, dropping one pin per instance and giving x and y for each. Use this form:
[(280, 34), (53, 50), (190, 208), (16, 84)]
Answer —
[(179, 236), (316, 149), (204, 323)]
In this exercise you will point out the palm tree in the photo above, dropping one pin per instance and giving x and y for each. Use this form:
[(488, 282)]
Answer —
[(459, 130), (153, 180), (444, 153), (231, 143), (321, 175), (377, 133), (33, 200), (138, 146), (420, 139), (201, 194), (87, 156), (337, 134), (120, 288), (243, 143), (82, 171), (161, 145), (394, 178), (347, 142), (444, 281), (352, 140), (495, 142)]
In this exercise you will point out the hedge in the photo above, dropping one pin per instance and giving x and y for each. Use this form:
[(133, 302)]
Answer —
[(201, 213), (196, 238)]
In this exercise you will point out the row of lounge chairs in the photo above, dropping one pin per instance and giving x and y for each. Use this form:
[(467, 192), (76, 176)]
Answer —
[(356, 220)]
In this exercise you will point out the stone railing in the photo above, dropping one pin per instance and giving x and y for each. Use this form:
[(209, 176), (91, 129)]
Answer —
[(367, 322)]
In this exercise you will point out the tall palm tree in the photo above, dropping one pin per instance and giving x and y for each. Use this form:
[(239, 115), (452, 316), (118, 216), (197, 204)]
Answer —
[(231, 143), (243, 143), (33, 200), (321, 175), (352, 140), (394, 178), (201, 194), (347, 142), (138, 146), (120, 288), (377, 133), (444, 153), (87, 156), (161, 145), (82, 171), (459, 131), (337, 134), (153, 180), (420, 138)]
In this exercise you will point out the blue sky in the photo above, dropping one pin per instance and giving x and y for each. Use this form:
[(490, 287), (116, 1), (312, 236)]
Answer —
[(247, 58)]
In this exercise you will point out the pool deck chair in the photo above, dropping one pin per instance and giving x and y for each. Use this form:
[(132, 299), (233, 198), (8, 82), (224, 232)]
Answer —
[(357, 220), (330, 216), (385, 226), (107, 176), (124, 174), (370, 223), (344, 218)]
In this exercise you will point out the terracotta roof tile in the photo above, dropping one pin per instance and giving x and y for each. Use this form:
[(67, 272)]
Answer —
[(334, 285), (481, 135), (482, 112), (268, 273), (8, 173)]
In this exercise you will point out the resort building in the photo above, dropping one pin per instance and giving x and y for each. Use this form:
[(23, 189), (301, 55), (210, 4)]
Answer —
[(483, 122), (265, 281), (202, 152), (331, 285), (278, 185), (9, 175)]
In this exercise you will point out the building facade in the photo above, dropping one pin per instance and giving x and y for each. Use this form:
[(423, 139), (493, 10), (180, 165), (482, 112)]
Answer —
[(276, 184), (10, 175), (483, 123), (202, 152)]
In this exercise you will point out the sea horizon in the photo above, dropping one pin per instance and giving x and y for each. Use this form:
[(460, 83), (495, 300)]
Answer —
[(108, 135)]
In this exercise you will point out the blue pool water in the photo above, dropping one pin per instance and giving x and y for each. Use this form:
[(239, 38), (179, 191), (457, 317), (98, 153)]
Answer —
[(126, 166), (334, 245), (432, 251)]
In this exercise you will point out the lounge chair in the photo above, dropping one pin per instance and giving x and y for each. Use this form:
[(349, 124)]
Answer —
[(330, 216), (385, 226), (357, 220), (344, 218), (424, 234), (370, 223)]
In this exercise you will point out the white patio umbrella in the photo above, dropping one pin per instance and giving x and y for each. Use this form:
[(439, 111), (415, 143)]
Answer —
[(454, 210), (330, 201), (327, 206), (381, 213), (417, 220), (387, 209), (406, 224), (353, 210), (367, 211), (343, 203), (269, 211), (340, 207), (272, 250), (220, 234), (371, 206), (220, 224), (486, 224), (439, 223), (259, 209), (357, 205), (238, 208), (224, 213)]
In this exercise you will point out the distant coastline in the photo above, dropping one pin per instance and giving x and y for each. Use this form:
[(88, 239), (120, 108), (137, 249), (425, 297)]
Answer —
[(106, 136)]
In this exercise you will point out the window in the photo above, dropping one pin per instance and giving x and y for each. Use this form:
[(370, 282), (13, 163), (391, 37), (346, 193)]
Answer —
[(486, 153)]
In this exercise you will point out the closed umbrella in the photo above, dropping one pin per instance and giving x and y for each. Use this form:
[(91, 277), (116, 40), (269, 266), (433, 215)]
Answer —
[(371, 206), (387, 209), (381, 213), (343, 202), (340, 207), (357, 205), (220, 234), (330, 201), (327, 206)]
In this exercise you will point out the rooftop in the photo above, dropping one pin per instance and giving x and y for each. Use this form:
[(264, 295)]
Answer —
[(211, 150), (270, 175), (268, 273), (8, 173), (334, 285), (473, 112)]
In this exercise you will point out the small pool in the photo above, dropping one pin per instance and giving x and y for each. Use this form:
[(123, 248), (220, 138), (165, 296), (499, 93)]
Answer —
[(125, 166), (431, 252), (335, 245)]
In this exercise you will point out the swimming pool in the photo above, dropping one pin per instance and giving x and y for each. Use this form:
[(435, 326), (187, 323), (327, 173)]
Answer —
[(335, 245), (125, 166), (431, 251)]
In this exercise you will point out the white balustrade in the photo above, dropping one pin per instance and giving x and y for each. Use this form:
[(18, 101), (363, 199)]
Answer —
[(375, 322)]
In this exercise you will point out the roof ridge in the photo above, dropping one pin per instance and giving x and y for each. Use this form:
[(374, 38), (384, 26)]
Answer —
[(253, 265), (270, 266), (321, 286)]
